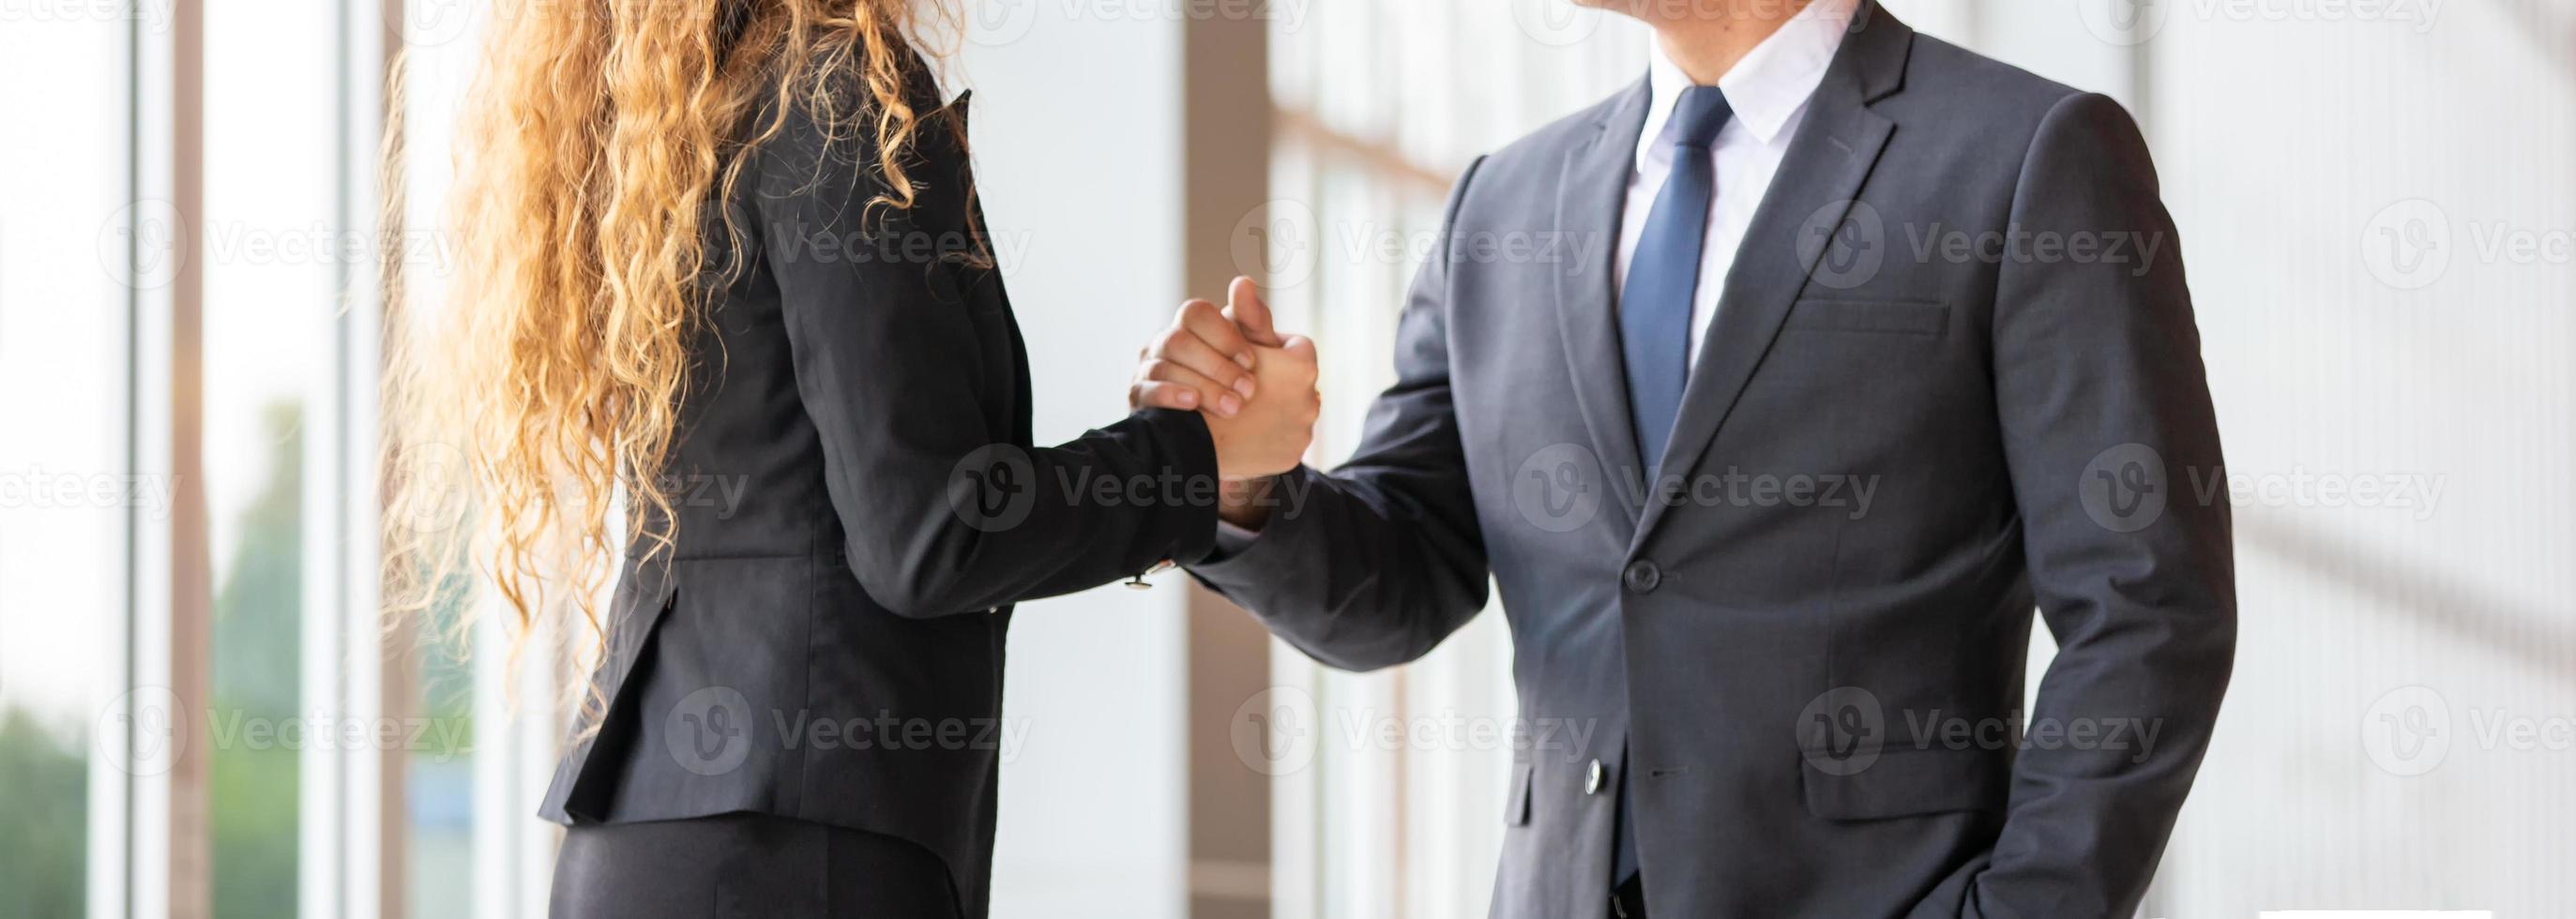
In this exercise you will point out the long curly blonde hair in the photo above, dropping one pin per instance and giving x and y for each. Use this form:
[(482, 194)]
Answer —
[(546, 387)]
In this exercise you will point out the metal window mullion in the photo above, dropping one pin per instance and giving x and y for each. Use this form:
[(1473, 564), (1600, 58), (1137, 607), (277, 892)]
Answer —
[(373, 682), (111, 781)]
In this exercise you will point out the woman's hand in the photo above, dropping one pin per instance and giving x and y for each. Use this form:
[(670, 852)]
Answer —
[(1256, 387), (1202, 362)]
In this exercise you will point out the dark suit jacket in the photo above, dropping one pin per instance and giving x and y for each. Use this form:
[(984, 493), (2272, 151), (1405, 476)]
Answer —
[(1815, 691), (859, 505)]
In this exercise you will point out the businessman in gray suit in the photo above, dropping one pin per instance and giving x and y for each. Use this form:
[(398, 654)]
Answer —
[(1774, 393)]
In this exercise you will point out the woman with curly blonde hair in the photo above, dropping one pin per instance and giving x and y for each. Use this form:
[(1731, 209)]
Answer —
[(724, 280)]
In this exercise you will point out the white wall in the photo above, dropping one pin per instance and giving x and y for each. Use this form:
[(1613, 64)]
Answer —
[(2289, 149), (1076, 126)]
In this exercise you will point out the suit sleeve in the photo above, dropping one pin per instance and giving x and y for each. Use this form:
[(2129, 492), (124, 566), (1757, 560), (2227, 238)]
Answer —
[(1373, 564), (2107, 429), (944, 512)]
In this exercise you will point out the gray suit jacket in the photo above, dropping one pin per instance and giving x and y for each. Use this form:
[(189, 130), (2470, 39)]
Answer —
[(1954, 377)]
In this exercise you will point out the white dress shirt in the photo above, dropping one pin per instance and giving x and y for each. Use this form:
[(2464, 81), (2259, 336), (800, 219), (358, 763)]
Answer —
[(1768, 91)]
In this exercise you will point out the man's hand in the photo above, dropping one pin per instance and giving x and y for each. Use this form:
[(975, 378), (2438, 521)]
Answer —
[(1269, 436), (1256, 386)]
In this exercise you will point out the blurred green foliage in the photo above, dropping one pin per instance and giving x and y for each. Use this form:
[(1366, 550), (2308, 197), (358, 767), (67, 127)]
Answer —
[(44, 822), (258, 644), (257, 677)]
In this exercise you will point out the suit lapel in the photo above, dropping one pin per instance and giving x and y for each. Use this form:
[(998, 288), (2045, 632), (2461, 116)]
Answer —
[(1828, 159), (1591, 196)]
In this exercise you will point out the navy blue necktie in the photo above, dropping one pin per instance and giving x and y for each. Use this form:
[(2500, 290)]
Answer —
[(1663, 276), (1655, 322)]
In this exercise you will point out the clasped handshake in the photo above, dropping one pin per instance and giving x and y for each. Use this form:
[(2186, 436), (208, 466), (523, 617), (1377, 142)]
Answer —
[(1255, 386)]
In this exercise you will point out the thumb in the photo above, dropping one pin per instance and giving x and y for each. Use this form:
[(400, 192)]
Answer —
[(1243, 305), (1299, 348)]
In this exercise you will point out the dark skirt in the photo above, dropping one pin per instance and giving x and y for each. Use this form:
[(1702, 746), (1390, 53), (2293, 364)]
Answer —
[(751, 866)]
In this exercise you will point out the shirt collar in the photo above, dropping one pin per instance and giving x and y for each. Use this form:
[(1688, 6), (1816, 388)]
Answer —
[(1765, 88)]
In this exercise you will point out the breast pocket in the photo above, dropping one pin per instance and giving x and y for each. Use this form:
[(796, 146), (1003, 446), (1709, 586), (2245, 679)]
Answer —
[(1891, 317)]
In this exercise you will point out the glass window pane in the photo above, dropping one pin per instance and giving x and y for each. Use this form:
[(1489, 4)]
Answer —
[(438, 784), (271, 244), (64, 482)]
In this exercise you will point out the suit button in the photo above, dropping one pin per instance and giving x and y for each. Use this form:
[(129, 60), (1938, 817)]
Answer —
[(1593, 777), (1643, 576)]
